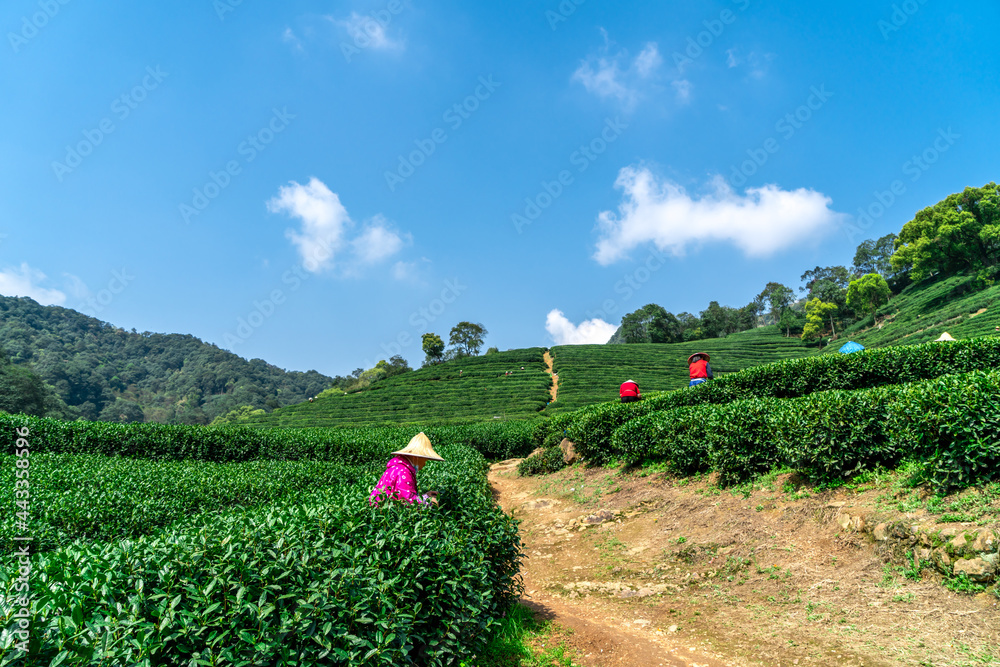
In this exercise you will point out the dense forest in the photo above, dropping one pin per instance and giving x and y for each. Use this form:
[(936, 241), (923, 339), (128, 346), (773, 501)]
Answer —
[(62, 363), (958, 235)]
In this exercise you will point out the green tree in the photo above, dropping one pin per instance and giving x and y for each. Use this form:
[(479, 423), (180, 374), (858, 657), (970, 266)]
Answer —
[(875, 256), (959, 233), (816, 312), (240, 415), (21, 391), (433, 347), (779, 297), (467, 338), (867, 293)]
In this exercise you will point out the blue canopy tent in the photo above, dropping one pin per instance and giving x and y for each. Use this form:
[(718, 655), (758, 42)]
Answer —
[(851, 346)]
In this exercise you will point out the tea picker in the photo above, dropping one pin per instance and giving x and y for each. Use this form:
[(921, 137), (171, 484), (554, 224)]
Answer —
[(399, 481)]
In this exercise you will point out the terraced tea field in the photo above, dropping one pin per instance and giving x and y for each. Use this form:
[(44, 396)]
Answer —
[(592, 373), (922, 312), (474, 388)]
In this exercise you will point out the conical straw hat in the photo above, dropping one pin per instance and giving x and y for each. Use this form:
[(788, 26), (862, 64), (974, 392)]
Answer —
[(943, 337), (420, 445)]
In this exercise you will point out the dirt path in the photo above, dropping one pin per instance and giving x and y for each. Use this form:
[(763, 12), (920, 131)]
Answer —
[(554, 389), (648, 571)]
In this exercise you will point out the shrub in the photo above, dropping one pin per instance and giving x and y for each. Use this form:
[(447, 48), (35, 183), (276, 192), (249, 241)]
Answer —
[(549, 460)]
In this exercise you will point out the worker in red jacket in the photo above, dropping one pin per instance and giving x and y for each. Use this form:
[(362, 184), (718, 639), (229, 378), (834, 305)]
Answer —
[(629, 392), (700, 369)]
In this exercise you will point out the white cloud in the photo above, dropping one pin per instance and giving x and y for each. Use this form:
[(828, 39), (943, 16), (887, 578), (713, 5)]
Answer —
[(757, 64), (611, 76), (762, 221), (564, 332), (683, 88), (367, 32), (648, 60), (325, 227), (24, 281), (731, 59), (324, 221), (377, 242)]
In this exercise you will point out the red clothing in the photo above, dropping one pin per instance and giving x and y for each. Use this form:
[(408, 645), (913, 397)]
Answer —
[(699, 369), (629, 389)]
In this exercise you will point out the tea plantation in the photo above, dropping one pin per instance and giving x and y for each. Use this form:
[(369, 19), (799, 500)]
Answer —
[(472, 388), (592, 373), (161, 544), (922, 312)]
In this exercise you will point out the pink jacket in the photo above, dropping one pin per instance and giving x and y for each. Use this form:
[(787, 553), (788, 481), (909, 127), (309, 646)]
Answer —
[(399, 481)]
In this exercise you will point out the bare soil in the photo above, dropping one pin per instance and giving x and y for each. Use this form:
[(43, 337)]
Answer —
[(554, 389), (651, 570)]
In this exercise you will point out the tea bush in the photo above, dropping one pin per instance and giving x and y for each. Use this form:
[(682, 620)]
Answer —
[(591, 428), (549, 460), (951, 424), (244, 443), (321, 578), (101, 498)]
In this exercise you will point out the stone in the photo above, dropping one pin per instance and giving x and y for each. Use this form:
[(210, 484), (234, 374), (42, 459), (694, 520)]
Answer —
[(836, 503), (881, 532), (986, 542), (568, 448), (599, 517), (976, 569), (844, 520), (941, 558), (537, 452), (672, 628), (957, 543)]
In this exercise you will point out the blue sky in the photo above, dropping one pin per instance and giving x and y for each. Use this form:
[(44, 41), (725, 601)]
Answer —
[(318, 183)]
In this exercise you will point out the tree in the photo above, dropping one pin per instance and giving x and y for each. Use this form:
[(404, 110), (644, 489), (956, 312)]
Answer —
[(433, 347), (467, 338), (867, 293), (875, 257), (21, 391), (240, 415), (959, 233), (816, 311), (493, 350), (836, 275), (649, 324), (779, 297)]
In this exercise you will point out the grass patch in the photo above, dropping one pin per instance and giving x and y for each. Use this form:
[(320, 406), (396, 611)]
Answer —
[(526, 642)]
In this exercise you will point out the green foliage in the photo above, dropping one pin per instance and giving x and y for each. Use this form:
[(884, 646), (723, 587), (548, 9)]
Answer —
[(949, 423), (319, 578), (738, 425), (959, 233), (547, 461), (104, 498), (433, 347), (591, 374), (240, 415), (874, 256), (467, 338), (466, 389), (816, 313), (867, 293), (21, 390), (175, 378)]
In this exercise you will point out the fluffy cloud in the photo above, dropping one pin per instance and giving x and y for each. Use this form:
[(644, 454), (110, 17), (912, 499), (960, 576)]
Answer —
[(612, 76), (564, 332), (377, 242), (325, 225), (761, 222), (24, 281)]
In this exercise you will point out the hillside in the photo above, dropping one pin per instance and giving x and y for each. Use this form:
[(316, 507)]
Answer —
[(925, 310), (471, 388), (592, 373), (103, 372)]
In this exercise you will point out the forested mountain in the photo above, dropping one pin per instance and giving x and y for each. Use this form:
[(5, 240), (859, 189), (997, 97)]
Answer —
[(100, 371)]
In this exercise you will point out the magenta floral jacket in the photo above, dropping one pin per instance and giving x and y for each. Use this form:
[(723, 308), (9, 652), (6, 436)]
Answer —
[(399, 481)]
